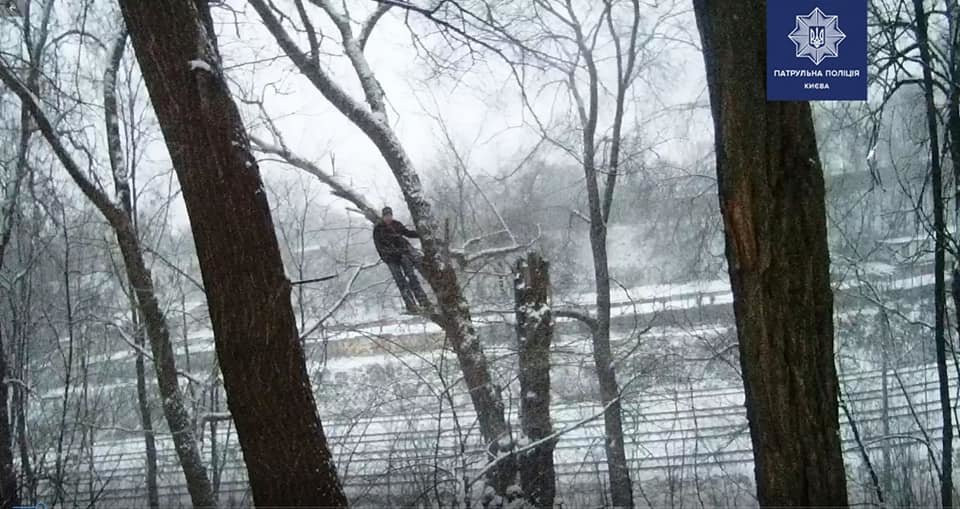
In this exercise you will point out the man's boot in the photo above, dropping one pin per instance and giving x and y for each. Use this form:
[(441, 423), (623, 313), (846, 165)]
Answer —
[(426, 307), (409, 302)]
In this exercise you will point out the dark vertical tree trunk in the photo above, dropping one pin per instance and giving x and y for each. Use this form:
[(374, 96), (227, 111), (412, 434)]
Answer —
[(8, 475), (214, 447), (146, 422), (29, 489), (248, 295), (771, 194), (939, 252), (885, 401), (22, 327), (534, 337), (621, 488), (68, 366)]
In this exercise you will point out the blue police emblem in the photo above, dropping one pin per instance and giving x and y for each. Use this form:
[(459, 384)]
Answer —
[(817, 36)]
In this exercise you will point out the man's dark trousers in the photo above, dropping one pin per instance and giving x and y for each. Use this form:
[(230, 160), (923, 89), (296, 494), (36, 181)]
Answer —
[(405, 275)]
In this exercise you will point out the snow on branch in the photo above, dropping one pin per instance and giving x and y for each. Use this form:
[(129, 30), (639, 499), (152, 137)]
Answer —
[(96, 195), (338, 188), (367, 28), (352, 48), (216, 417), (576, 314), (478, 239), (200, 65), (545, 440), (318, 76), (466, 259)]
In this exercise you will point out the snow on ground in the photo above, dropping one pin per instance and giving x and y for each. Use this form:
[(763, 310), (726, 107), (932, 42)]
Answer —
[(672, 432)]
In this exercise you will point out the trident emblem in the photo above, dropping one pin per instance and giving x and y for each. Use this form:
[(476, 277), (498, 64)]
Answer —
[(817, 36)]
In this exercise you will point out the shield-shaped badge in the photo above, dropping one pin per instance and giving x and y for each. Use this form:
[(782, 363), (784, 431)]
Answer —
[(818, 35)]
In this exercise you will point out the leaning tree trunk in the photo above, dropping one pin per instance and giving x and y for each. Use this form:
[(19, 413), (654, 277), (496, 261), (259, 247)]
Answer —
[(771, 194), (268, 390), (454, 311), (124, 195), (939, 252), (534, 336)]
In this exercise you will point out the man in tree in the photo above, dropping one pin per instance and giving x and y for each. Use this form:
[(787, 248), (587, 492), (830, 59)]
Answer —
[(400, 257)]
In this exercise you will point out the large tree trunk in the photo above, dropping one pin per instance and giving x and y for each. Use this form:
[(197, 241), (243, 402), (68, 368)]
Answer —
[(939, 251), (534, 337), (771, 194), (248, 295)]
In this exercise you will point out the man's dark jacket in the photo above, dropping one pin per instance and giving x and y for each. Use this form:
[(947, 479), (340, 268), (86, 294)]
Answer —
[(390, 242)]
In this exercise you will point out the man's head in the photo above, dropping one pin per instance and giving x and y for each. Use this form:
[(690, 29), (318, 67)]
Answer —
[(387, 214)]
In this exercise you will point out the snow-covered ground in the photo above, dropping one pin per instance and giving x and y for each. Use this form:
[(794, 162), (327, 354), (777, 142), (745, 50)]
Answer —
[(689, 435), (693, 431)]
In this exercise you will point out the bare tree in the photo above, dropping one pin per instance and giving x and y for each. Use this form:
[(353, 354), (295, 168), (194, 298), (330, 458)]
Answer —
[(569, 42), (371, 118), (937, 60), (34, 43), (939, 232), (776, 245), (140, 278), (261, 357)]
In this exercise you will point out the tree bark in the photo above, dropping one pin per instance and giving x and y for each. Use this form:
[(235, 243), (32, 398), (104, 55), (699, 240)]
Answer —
[(248, 295), (939, 252), (534, 337), (771, 195)]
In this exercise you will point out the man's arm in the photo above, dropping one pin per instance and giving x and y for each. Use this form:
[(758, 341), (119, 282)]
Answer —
[(408, 232)]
